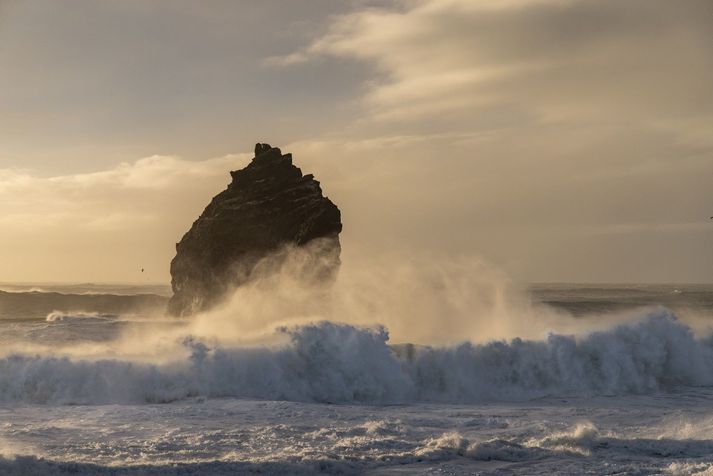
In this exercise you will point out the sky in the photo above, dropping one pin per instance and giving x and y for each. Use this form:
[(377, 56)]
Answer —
[(558, 140)]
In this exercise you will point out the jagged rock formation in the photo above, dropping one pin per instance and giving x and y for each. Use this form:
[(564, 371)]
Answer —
[(267, 205)]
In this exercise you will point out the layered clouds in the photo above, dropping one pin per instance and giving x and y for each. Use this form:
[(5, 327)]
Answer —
[(107, 225), (565, 138), (559, 139), (533, 61)]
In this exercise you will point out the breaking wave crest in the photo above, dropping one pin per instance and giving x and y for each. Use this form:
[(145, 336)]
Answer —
[(329, 362), (61, 316)]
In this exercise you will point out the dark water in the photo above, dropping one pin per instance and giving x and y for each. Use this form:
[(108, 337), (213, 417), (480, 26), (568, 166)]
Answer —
[(64, 314), (29, 302), (23, 302), (585, 299)]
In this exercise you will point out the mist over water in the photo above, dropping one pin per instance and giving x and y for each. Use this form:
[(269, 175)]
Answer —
[(389, 330), (403, 361), (418, 299), (328, 362)]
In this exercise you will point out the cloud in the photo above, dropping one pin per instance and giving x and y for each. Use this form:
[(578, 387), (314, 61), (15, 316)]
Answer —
[(563, 139), (560, 139), (69, 226), (151, 173), (532, 60)]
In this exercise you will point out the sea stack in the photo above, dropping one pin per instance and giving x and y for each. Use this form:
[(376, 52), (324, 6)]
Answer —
[(268, 205)]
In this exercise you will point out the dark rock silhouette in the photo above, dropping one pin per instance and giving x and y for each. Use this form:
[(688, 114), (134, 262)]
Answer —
[(268, 205)]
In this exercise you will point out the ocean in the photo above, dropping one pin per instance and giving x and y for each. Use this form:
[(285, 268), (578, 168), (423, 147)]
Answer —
[(87, 388)]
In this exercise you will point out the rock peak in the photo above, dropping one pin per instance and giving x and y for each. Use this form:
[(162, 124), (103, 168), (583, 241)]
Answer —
[(261, 148), (269, 204)]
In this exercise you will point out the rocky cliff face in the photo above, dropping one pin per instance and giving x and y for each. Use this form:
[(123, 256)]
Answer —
[(268, 204)]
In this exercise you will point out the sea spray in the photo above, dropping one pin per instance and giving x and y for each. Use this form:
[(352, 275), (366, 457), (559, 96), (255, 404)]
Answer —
[(340, 363)]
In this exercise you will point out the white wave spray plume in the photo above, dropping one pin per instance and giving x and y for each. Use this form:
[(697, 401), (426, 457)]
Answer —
[(419, 300), (287, 336)]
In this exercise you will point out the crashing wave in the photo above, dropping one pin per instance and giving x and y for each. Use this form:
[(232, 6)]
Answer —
[(60, 316), (329, 362)]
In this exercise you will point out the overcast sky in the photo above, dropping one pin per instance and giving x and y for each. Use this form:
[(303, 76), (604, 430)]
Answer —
[(561, 140)]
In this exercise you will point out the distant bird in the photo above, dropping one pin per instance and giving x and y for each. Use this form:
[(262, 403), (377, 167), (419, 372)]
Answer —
[(142, 269)]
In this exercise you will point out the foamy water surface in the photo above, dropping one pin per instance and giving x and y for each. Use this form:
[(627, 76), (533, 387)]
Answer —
[(98, 393)]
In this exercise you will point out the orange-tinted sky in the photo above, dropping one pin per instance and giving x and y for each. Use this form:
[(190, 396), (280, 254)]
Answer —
[(562, 140)]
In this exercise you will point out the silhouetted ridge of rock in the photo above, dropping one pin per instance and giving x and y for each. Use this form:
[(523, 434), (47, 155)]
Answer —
[(267, 205)]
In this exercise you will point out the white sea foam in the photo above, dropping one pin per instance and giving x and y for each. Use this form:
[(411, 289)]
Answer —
[(329, 362), (58, 316), (237, 436)]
